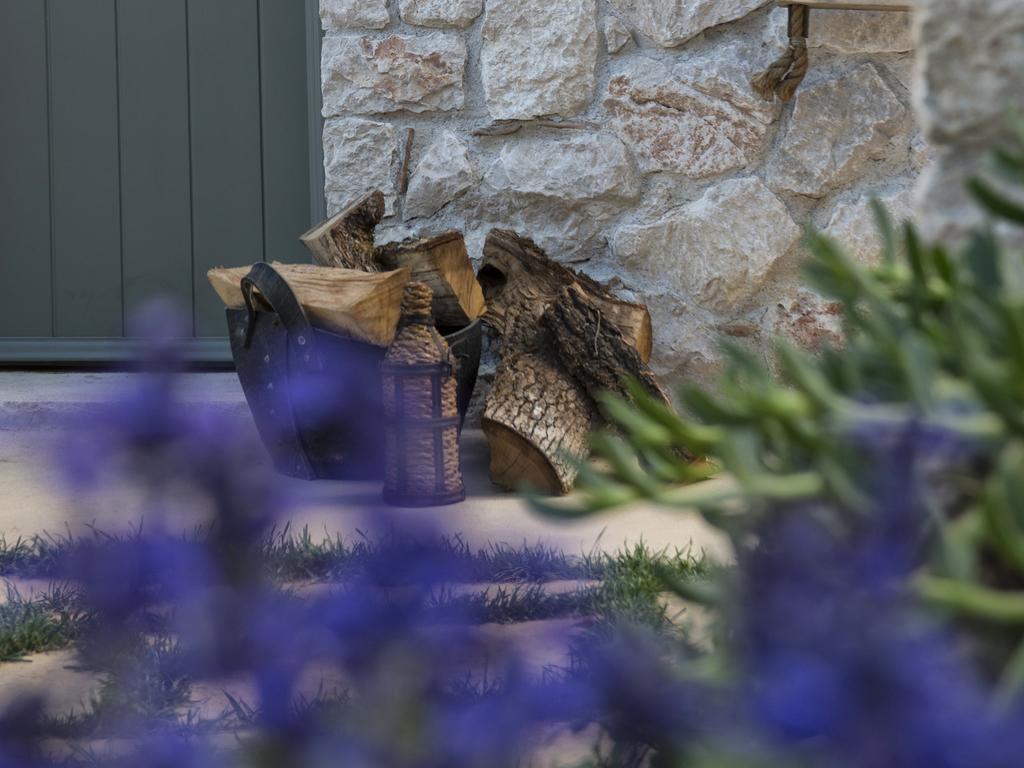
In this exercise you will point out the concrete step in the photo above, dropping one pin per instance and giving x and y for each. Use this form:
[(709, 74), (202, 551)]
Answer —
[(43, 401)]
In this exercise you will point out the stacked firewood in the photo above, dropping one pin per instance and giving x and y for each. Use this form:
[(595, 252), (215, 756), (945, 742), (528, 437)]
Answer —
[(347, 241), (355, 288), (565, 338)]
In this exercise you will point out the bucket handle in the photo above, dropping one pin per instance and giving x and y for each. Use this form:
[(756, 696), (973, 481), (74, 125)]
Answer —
[(279, 296)]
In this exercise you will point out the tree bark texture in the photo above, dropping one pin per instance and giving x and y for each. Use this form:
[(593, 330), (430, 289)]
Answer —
[(346, 240), (536, 417), (520, 282), (593, 349)]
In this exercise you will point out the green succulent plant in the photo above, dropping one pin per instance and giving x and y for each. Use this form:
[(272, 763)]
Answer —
[(934, 342)]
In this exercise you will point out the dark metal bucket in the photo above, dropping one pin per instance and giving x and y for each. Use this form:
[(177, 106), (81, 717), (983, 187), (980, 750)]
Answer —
[(316, 396)]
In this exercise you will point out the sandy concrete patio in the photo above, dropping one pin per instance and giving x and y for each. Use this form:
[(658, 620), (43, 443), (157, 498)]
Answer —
[(34, 408)]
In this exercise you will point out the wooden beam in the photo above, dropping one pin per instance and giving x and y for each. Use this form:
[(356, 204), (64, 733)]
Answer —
[(854, 5)]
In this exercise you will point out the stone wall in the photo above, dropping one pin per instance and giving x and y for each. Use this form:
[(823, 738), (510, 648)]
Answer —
[(623, 136), (970, 81)]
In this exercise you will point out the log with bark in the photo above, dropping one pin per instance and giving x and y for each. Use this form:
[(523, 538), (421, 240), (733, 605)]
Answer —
[(520, 282), (441, 262), (564, 338), (358, 305), (535, 419), (593, 349), (346, 240)]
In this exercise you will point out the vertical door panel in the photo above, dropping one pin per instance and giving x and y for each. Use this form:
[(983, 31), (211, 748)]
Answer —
[(26, 309), (156, 209), (227, 201), (143, 142), (286, 164), (85, 162)]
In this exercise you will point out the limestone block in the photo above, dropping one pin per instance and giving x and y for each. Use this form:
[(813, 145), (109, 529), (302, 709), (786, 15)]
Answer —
[(724, 69), (364, 75), (687, 344), (616, 34), (672, 22), (445, 172), (946, 210), (838, 125), (353, 14), (561, 190), (539, 57), (971, 64), (359, 156), (920, 151), (970, 80), (441, 13), (671, 123), (862, 32), (581, 167), (718, 249), (853, 224)]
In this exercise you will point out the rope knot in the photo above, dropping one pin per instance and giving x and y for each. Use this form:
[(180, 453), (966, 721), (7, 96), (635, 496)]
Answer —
[(784, 75)]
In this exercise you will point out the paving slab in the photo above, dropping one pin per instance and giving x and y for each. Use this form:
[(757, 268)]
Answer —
[(55, 677), (33, 502)]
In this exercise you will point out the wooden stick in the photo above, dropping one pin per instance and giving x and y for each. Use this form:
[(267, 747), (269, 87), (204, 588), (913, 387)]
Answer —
[(403, 173)]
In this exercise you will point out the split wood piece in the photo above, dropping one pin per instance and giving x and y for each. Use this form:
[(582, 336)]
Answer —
[(358, 305), (441, 262), (593, 350), (536, 416), (520, 282), (346, 240)]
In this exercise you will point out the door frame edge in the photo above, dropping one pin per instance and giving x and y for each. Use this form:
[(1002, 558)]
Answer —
[(314, 88)]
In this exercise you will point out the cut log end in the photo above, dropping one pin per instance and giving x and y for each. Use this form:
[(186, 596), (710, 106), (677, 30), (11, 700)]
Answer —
[(536, 418), (517, 464), (351, 303), (441, 262)]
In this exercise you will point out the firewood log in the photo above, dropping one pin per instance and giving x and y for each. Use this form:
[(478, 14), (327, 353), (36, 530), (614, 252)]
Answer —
[(594, 350), (535, 417), (520, 282), (539, 408), (346, 240), (358, 305), (443, 264)]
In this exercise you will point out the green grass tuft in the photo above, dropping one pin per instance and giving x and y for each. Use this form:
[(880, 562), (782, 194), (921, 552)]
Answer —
[(145, 686), (45, 623), (291, 556), (504, 605)]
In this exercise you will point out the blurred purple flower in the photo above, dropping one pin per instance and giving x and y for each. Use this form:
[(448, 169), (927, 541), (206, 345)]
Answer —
[(21, 733)]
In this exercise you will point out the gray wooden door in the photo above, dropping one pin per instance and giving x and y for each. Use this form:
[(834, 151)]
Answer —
[(143, 142)]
